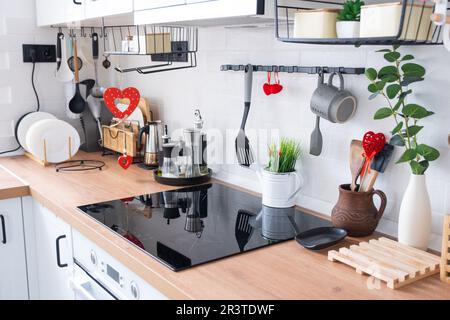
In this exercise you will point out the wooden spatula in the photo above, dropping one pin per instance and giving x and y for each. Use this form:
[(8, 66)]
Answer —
[(356, 161)]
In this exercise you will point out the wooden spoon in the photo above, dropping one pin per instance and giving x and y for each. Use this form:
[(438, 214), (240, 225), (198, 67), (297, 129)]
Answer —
[(356, 161), (77, 104)]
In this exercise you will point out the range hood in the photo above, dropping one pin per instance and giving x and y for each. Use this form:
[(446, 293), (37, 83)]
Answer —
[(205, 13)]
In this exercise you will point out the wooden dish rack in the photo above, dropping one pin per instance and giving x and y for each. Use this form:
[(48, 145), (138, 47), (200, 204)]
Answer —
[(445, 260), (389, 261), (44, 162)]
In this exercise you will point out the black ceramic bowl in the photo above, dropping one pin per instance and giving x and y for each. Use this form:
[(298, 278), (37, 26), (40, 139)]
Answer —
[(320, 238)]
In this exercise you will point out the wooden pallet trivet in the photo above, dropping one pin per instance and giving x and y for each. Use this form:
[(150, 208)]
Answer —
[(445, 259), (389, 261)]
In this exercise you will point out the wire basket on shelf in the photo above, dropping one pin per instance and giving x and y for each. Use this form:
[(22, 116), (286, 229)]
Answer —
[(165, 45), (382, 22)]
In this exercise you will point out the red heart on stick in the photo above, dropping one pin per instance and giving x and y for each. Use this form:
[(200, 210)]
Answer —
[(373, 143), (111, 94), (125, 161)]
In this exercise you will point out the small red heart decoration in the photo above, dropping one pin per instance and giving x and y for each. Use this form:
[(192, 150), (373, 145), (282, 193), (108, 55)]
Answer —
[(276, 88), (373, 143), (267, 88), (111, 94), (125, 161)]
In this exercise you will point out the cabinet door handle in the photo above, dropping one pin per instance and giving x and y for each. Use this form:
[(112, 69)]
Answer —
[(58, 253), (2, 218), (77, 2)]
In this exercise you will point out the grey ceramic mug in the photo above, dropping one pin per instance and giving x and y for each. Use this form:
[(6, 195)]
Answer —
[(331, 103)]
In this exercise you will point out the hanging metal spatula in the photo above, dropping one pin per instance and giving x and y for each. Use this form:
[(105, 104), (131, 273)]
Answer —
[(316, 142), (244, 153), (243, 229)]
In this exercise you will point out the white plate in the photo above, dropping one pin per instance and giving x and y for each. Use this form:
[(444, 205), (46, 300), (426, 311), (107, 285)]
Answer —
[(56, 134), (136, 116), (26, 122)]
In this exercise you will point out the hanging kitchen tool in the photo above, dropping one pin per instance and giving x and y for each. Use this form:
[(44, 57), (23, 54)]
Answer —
[(64, 74), (106, 63), (244, 153), (243, 229), (98, 90), (356, 161), (77, 104), (59, 39), (71, 64), (378, 165)]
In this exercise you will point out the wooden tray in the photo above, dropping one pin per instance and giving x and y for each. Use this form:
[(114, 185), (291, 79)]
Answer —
[(445, 259), (389, 261)]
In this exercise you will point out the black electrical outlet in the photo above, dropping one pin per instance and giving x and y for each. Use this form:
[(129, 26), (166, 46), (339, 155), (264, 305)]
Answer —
[(39, 53)]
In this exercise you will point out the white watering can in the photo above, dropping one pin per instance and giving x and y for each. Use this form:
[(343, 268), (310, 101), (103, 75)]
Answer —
[(279, 190)]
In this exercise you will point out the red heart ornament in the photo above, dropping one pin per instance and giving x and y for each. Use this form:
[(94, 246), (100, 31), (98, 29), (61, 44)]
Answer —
[(373, 143), (125, 161), (276, 88), (267, 88), (111, 94)]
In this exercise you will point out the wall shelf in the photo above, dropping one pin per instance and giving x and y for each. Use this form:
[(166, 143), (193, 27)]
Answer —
[(408, 33)]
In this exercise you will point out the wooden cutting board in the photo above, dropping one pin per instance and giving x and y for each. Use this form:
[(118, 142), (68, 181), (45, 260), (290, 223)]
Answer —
[(445, 259), (389, 261)]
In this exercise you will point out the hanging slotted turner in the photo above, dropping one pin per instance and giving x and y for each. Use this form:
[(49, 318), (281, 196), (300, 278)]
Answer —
[(243, 229), (244, 153)]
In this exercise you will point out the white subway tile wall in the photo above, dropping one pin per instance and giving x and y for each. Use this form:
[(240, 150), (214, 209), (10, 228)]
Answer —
[(219, 95), (17, 27)]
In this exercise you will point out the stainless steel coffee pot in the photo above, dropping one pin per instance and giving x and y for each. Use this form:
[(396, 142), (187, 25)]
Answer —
[(153, 135)]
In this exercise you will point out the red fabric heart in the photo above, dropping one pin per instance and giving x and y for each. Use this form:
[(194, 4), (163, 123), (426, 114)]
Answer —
[(276, 88), (267, 88), (111, 94), (125, 161)]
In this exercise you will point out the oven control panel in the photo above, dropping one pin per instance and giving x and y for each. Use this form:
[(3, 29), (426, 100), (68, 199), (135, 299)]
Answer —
[(112, 274)]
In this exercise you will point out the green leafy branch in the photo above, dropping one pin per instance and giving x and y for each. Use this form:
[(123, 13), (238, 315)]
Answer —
[(392, 82)]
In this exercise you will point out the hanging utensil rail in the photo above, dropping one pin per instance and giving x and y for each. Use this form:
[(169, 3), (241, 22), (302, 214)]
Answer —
[(294, 69)]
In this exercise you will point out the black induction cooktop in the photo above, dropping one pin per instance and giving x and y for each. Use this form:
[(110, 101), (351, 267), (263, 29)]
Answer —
[(191, 226)]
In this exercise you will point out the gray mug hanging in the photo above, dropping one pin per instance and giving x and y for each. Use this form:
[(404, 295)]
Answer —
[(334, 104)]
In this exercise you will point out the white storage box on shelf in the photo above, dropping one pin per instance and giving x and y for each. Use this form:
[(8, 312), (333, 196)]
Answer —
[(319, 23), (383, 20)]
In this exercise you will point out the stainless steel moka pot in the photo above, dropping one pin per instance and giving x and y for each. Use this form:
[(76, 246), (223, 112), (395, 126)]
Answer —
[(153, 134)]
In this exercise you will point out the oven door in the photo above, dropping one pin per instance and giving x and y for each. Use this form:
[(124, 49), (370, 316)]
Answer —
[(86, 287)]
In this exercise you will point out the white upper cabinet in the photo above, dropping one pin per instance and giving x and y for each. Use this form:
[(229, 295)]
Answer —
[(49, 12), (55, 12), (103, 8), (13, 270), (152, 4), (202, 12)]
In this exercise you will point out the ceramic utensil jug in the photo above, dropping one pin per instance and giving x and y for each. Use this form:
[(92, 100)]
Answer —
[(356, 213)]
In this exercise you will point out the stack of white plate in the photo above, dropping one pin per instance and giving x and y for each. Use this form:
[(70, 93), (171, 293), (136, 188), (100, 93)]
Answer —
[(46, 137)]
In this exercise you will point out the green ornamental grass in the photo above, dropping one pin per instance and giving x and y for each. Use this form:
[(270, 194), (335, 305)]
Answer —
[(283, 157)]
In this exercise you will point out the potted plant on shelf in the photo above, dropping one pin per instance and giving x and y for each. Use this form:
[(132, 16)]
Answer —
[(280, 181), (393, 83), (347, 25)]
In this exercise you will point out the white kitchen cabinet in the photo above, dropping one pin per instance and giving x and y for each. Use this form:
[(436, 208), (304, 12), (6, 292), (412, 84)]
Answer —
[(50, 12), (54, 255), (103, 8), (202, 12), (13, 270)]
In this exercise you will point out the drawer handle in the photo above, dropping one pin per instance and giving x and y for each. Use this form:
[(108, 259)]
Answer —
[(2, 218), (77, 2), (58, 253)]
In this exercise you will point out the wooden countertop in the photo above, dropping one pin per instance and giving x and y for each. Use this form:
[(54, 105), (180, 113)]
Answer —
[(282, 271), (11, 186)]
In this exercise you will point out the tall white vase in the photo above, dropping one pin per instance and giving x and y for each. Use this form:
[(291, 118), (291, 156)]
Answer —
[(414, 223)]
